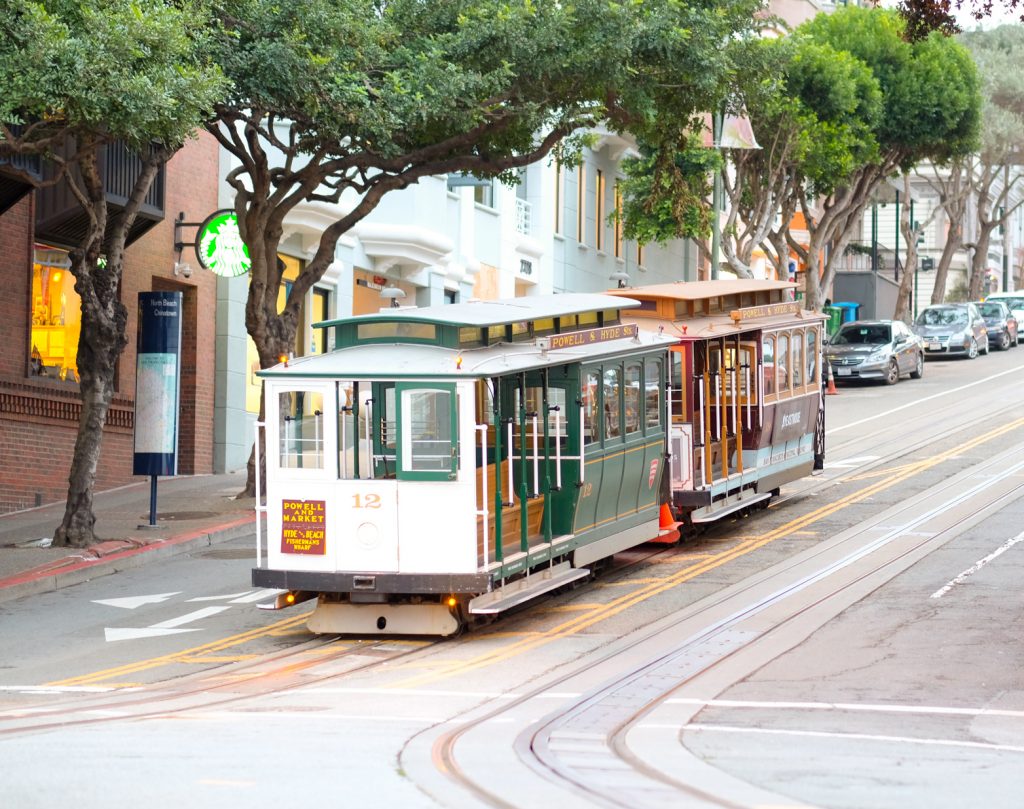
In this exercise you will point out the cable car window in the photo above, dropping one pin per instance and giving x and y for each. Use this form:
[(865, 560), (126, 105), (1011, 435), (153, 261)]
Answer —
[(428, 430), (798, 360), (677, 389), (396, 329), (587, 319), (812, 356), (496, 334), (632, 397), (591, 408), (768, 360), (470, 336), (543, 326), (612, 407), (652, 393), (301, 434), (609, 317), (351, 435), (535, 404), (782, 363)]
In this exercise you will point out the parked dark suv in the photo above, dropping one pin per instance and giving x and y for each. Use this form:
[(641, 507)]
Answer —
[(875, 349), (952, 328)]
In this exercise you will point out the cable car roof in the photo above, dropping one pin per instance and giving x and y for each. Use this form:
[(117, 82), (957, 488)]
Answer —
[(493, 313), (699, 290), (422, 361)]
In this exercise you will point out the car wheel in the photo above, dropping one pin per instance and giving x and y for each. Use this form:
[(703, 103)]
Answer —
[(918, 371), (892, 373), (972, 352), (1004, 341)]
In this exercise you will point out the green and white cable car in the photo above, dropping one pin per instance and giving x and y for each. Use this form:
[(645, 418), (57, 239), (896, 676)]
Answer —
[(451, 462)]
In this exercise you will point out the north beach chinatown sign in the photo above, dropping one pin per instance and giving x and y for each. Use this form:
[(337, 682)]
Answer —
[(219, 245)]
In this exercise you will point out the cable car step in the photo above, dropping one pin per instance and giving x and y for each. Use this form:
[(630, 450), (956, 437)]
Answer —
[(524, 589)]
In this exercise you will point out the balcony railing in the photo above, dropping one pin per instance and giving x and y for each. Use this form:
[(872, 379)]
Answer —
[(61, 220), (522, 216)]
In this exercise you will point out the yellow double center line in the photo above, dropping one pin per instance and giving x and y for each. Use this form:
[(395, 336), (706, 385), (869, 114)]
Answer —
[(580, 622), (605, 611), (184, 656)]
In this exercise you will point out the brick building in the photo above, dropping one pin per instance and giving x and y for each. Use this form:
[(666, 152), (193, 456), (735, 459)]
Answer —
[(39, 396)]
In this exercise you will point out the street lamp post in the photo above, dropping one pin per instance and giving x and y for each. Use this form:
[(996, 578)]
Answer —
[(716, 197)]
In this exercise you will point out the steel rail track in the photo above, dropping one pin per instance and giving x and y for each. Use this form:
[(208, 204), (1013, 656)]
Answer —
[(534, 746), (153, 703)]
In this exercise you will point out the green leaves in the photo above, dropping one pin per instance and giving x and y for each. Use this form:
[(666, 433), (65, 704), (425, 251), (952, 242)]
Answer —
[(134, 70)]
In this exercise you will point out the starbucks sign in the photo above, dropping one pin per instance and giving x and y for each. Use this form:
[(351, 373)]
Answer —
[(219, 245)]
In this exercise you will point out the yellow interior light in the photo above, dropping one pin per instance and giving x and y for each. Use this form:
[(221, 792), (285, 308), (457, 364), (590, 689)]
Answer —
[(452, 601), (290, 598), (57, 276)]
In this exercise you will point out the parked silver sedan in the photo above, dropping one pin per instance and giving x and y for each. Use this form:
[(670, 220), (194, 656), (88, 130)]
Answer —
[(953, 328), (875, 349)]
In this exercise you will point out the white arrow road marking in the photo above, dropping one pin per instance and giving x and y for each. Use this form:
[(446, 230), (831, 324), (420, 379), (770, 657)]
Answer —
[(220, 598), (169, 627), (131, 602)]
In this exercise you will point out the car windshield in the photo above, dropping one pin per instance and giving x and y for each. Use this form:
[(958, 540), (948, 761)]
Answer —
[(1013, 303), (991, 310), (862, 335), (942, 317)]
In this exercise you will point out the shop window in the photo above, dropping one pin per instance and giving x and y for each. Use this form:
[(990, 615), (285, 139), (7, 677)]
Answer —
[(484, 194), (321, 311), (301, 433), (56, 317)]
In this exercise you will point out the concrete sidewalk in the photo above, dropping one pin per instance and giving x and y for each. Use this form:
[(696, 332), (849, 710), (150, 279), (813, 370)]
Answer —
[(192, 512)]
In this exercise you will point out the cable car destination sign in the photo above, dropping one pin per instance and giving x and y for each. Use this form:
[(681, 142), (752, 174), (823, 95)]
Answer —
[(587, 337), (219, 245)]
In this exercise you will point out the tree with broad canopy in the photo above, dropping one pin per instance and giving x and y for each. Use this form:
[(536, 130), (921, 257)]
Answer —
[(78, 77), (344, 102)]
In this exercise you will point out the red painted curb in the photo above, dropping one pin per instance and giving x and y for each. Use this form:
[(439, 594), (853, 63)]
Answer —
[(59, 565)]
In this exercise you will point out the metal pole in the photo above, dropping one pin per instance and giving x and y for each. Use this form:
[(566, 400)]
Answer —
[(152, 499), (716, 198), (896, 260)]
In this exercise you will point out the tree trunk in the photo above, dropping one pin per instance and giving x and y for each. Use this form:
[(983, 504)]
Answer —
[(979, 261), (954, 240), (100, 346)]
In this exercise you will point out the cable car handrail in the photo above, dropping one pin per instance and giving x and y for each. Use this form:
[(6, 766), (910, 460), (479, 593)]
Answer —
[(484, 512), (558, 446), (259, 507), (536, 461)]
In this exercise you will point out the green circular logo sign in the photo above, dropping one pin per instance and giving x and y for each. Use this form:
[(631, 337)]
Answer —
[(219, 245)]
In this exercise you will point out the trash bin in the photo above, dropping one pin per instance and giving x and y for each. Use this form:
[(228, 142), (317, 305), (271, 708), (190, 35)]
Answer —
[(849, 310), (835, 318)]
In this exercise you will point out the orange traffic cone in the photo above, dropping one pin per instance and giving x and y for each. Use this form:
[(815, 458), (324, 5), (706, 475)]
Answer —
[(666, 521), (668, 533), (831, 389)]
